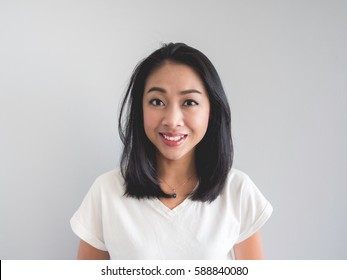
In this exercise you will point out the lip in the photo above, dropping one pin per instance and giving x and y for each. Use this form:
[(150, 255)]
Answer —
[(173, 143)]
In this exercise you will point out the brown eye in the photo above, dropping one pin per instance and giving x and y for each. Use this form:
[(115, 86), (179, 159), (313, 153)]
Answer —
[(190, 102), (156, 102)]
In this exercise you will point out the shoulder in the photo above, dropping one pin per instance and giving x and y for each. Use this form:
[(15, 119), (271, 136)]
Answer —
[(240, 187), (237, 180), (112, 176), (237, 176), (109, 182), (251, 208)]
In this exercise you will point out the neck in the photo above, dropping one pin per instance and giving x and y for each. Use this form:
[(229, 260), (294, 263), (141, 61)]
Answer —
[(176, 170), (178, 181)]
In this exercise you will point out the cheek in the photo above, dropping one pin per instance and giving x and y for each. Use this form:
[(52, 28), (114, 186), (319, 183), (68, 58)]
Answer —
[(205, 117), (200, 122), (204, 122), (149, 120)]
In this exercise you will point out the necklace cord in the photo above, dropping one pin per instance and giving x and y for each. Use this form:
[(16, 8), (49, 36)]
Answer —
[(174, 195)]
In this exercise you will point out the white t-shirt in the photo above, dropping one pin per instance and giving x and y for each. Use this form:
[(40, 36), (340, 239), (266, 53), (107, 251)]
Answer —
[(129, 228)]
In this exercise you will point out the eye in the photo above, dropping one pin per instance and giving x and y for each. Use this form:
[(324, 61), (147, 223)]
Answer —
[(190, 102), (156, 102)]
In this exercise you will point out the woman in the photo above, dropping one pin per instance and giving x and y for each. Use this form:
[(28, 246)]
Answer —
[(176, 195)]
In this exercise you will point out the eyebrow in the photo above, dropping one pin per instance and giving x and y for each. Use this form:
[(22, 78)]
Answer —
[(182, 92)]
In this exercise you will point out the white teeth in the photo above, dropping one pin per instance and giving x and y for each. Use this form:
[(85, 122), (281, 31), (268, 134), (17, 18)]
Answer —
[(176, 138)]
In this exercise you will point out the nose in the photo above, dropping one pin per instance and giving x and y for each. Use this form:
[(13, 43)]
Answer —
[(173, 117)]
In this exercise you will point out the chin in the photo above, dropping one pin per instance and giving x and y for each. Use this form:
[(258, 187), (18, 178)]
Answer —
[(174, 156), (171, 158)]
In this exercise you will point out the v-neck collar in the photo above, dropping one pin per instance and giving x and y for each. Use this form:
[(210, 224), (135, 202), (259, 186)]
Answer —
[(160, 206)]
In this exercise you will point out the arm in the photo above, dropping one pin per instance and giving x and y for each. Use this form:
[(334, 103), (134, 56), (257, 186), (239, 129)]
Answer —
[(250, 249), (88, 252)]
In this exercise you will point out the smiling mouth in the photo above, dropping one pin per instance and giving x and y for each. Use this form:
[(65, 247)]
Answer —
[(173, 140)]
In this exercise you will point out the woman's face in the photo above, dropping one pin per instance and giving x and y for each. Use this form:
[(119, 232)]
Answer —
[(176, 110)]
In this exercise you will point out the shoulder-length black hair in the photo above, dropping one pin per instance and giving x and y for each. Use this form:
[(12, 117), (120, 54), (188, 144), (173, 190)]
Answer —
[(214, 153)]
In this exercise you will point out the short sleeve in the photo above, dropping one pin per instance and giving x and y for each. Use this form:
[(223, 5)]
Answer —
[(86, 223), (255, 210)]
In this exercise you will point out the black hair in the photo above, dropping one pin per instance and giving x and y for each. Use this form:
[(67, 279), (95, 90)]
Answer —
[(213, 154)]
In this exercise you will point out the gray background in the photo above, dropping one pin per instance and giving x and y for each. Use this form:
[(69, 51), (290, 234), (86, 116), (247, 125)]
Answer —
[(65, 64)]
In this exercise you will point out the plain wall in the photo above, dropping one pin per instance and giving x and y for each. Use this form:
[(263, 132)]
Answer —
[(64, 66)]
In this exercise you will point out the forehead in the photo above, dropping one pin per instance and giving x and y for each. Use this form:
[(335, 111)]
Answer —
[(172, 73)]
